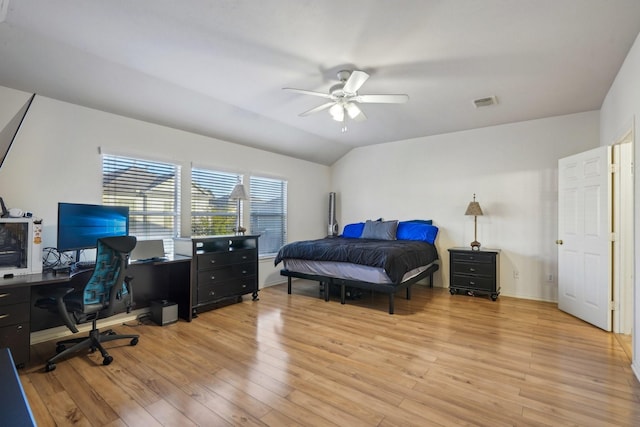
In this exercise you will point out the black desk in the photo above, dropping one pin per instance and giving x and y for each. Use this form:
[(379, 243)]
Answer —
[(169, 279)]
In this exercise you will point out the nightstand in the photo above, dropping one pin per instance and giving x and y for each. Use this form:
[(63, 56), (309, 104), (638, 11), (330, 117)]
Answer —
[(474, 272)]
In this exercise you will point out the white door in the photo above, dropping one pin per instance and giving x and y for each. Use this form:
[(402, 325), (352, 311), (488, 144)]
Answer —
[(584, 245)]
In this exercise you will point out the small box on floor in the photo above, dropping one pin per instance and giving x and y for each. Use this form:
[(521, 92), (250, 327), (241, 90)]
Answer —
[(164, 312)]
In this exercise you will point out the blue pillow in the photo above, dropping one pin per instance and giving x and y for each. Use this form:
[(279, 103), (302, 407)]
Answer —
[(412, 230), (422, 221), (353, 231)]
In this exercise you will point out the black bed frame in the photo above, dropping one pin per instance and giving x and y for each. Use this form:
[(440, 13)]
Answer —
[(388, 288)]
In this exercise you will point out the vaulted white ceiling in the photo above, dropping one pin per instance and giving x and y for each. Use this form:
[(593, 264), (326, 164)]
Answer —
[(217, 68)]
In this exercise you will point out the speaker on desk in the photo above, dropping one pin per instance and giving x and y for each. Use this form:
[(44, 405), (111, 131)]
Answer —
[(164, 312)]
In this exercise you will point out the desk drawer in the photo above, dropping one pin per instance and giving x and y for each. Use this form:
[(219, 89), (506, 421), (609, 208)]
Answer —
[(14, 314), (17, 338), (14, 295)]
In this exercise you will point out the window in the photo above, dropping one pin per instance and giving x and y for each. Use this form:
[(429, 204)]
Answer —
[(212, 212), (150, 189), (269, 213)]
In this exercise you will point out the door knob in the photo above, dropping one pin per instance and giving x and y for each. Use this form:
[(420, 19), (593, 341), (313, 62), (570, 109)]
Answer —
[(559, 242)]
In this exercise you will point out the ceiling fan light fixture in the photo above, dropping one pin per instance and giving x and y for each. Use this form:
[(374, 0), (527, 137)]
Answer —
[(337, 112)]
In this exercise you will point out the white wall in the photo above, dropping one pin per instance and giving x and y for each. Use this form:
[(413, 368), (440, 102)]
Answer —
[(619, 113), (55, 158), (512, 169)]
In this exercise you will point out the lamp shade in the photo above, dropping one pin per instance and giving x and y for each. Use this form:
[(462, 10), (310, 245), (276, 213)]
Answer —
[(474, 208), (239, 193)]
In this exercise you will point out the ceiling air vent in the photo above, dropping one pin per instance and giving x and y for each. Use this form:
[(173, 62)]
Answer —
[(485, 102)]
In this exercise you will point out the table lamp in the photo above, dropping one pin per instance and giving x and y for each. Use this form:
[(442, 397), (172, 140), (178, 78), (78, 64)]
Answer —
[(239, 194), (475, 210)]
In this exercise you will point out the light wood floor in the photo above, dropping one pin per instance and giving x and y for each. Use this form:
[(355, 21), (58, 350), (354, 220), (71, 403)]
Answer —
[(298, 360)]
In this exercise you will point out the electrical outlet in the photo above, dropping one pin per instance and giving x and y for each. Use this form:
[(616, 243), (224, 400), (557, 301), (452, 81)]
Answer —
[(516, 274), (550, 278)]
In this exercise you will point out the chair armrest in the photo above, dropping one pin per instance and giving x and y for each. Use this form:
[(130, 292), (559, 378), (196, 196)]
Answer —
[(58, 294)]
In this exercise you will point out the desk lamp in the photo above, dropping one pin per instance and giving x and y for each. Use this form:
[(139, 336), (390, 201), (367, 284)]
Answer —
[(475, 210)]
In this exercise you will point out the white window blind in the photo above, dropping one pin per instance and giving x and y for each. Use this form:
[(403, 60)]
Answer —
[(212, 213), (150, 189), (269, 213)]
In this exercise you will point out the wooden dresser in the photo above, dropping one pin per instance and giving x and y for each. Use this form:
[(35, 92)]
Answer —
[(474, 272), (222, 268)]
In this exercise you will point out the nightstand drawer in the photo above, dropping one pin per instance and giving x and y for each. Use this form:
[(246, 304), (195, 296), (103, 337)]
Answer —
[(477, 283), (474, 268), (470, 256)]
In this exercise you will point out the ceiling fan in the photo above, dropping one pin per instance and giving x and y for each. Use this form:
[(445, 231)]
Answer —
[(344, 97)]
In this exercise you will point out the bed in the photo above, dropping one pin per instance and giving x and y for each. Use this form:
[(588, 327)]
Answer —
[(382, 256)]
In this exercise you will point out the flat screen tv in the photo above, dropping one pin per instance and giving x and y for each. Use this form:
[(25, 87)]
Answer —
[(80, 225)]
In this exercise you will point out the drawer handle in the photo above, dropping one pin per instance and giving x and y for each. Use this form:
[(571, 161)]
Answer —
[(4, 295), (472, 269), (213, 261), (472, 283), (3, 316), (244, 286), (213, 277), (244, 271), (212, 293), (244, 257)]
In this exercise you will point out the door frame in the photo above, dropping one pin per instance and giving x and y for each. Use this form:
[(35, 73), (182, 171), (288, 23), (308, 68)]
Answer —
[(623, 228)]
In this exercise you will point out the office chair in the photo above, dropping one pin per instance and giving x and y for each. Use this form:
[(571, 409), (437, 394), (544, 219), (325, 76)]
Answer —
[(99, 293)]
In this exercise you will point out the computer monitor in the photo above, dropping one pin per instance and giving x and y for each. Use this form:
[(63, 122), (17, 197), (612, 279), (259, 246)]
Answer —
[(81, 225)]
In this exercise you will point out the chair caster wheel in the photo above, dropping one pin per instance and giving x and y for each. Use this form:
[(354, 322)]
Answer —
[(107, 360), (134, 341), (50, 367), (60, 348)]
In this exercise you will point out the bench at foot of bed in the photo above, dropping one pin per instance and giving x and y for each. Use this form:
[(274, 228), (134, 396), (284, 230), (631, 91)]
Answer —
[(389, 289)]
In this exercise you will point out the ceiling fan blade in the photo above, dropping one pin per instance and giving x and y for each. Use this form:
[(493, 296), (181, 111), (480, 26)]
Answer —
[(308, 92), (355, 81), (382, 99), (318, 108), (354, 112)]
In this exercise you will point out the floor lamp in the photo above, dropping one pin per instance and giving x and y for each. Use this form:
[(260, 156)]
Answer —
[(239, 194), (475, 210)]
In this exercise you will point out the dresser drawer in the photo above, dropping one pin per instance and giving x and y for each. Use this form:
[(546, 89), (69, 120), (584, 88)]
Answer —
[(14, 295), (226, 272), (474, 268), (223, 289), (14, 314), (469, 256), (215, 259), (476, 283)]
